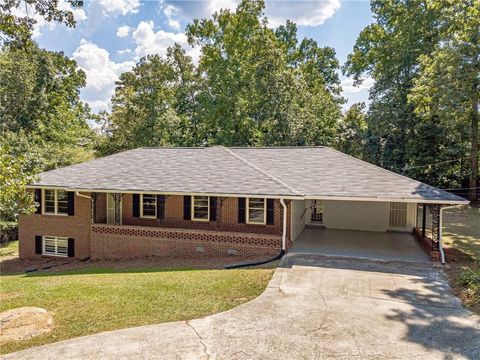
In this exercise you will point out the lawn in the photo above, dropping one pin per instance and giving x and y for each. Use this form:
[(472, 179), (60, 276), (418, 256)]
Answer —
[(89, 301), (461, 231), (9, 250)]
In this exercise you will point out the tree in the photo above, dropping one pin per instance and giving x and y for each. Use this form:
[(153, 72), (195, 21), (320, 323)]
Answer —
[(40, 96), (17, 169), (394, 51), (352, 131), (154, 104), (17, 30), (43, 123), (447, 87), (260, 87)]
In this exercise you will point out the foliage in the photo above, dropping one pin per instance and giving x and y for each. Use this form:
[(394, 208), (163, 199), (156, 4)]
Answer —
[(352, 131), (15, 174), (43, 122), (17, 30), (469, 280), (417, 114), (96, 300), (253, 86), (9, 249)]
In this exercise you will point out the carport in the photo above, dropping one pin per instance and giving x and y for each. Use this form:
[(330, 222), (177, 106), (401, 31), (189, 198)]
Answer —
[(384, 246)]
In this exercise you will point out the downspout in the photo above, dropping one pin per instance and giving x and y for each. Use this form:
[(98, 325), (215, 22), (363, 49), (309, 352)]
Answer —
[(440, 241), (276, 257)]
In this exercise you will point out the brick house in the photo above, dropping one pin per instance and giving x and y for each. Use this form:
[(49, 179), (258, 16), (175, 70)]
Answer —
[(218, 201)]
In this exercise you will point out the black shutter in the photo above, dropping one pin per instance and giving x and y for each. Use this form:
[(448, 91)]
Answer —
[(213, 208), (241, 210), (187, 206), (38, 244), (38, 200), (270, 211), (160, 206), (136, 205), (71, 203), (71, 247)]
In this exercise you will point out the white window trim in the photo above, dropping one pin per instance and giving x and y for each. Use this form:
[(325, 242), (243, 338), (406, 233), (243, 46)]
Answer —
[(56, 246), (264, 213), (192, 210), (56, 203), (141, 208)]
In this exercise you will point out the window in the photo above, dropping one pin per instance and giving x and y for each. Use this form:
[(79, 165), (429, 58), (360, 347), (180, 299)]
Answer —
[(148, 206), (256, 212), (55, 202), (200, 208), (398, 214), (53, 245), (317, 211)]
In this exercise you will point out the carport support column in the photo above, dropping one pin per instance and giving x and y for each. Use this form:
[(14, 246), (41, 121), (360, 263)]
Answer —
[(424, 221), (93, 197), (435, 210), (117, 198)]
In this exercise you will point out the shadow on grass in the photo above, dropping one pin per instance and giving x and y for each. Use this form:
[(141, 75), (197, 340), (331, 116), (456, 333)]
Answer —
[(436, 323)]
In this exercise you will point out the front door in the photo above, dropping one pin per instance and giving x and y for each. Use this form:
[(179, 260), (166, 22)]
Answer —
[(316, 211), (111, 210)]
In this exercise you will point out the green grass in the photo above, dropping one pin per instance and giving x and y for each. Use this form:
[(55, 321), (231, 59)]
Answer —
[(89, 301), (462, 230), (10, 249)]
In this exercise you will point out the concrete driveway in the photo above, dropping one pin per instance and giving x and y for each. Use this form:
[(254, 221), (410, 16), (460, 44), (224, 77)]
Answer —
[(313, 308)]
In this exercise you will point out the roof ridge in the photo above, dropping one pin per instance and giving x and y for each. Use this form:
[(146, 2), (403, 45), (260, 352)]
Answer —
[(271, 177)]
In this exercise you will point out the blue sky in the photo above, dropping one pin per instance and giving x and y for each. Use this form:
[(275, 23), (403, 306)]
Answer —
[(111, 35)]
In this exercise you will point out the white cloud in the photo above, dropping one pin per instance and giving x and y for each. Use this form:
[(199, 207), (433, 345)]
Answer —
[(171, 13), (119, 7), (101, 73), (349, 88), (150, 42), (302, 12), (124, 51), (123, 31)]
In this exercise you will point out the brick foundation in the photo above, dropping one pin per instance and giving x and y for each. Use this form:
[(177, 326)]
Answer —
[(116, 242)]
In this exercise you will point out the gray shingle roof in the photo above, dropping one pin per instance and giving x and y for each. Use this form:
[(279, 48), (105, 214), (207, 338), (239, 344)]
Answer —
[(276, 171)]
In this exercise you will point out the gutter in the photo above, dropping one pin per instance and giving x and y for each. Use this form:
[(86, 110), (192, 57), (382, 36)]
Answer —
[(81, 195)]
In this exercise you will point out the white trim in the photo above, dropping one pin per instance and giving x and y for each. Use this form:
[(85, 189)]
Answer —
[(141, 207), (269, 196), (192, 208), (55, 238), (377, 199), (264, 212), (55, 200)]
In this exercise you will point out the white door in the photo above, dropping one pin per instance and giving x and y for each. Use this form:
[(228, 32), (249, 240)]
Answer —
[(111, 210)]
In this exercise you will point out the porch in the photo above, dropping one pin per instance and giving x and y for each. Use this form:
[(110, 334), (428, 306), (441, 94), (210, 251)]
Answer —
[(384, 246)]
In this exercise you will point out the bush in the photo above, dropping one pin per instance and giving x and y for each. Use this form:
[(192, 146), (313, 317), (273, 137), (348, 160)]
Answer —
[(469, 279), (8, 231)]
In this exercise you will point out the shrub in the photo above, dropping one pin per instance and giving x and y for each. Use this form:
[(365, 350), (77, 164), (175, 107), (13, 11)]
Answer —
[(8, 231)]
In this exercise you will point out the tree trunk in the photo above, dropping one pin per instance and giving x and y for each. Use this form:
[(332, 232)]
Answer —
[(474, 150)]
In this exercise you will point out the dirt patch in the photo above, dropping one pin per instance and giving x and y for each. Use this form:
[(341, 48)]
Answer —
[(24, 323), (453, 270)]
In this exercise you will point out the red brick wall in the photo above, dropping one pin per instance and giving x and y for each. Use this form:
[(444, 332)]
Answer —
[(120, 242), (77, 227), (227, 217)]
